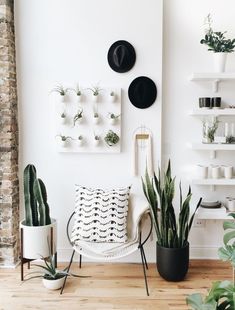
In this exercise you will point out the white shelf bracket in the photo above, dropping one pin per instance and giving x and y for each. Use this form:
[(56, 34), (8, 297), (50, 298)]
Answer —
[(212, 154), (215, 86)]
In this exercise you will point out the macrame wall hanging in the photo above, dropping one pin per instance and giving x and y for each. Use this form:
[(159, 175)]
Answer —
[(142, 140)]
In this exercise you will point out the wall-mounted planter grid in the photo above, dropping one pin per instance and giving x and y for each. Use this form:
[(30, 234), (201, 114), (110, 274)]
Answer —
[(88, 126)]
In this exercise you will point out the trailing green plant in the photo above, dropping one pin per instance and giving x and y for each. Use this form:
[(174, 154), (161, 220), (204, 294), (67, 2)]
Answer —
[(216, 41), (222, 294), (60, 89), (37, 211), (111, 138), (171, 232), (77, 116), (209, 131)]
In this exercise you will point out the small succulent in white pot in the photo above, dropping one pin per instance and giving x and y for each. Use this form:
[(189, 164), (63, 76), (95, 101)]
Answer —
[(61, 90), (80, 140), (95, 92), (112, 96), (63, 117), (78, 117), (113, 118), (111, 138), (96, 139), (64, 140), (78, 92)]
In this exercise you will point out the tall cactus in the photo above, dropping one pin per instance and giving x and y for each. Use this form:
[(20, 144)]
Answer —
[(36, 206), (40, 194), (31, 212)]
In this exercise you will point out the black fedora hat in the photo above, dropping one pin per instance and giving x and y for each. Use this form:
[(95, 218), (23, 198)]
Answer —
[(142, 92), (121, 56)]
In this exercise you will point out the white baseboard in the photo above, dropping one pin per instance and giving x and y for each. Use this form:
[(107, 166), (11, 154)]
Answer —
[(196, 252)]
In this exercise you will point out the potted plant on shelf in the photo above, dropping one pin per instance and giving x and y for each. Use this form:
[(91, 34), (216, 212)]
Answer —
[(113, 118), (64, 140), (209, 130), (217, 42), (78, 92), (61, 90), (111, 138), (172, 233), (37, 227), (221, 295), (78, 117), (95, 92)]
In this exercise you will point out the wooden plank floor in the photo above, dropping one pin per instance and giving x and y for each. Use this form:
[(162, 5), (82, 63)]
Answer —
[(111, 286)]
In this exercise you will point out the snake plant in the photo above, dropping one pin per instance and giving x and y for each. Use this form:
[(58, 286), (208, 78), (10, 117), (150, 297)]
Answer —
[(171, 232), (37, 211)]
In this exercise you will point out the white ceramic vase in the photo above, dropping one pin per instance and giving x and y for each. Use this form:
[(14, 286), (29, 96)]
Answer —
[(112, 121), (228, 172), (53, 284), (202, 172), (112, 98), (95, 98), (37, 240), (80, 142), (219, 61), (96, 120), (79, 98), (96, 142), (215, 172)]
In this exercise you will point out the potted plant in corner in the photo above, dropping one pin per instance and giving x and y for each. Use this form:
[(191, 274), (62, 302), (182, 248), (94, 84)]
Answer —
[(172, 233), (38, 228), (221, 295), (217, 42)]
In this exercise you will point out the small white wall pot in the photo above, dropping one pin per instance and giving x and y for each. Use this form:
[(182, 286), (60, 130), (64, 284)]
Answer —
[(63, 143), (96, 142), (80, 142), (202, 172), (112, 97), (63, 120), (219, 61), (96, 120), (95, 98), (53, 284), (62, 98), (112, 121), (37, 240), (79, 98)]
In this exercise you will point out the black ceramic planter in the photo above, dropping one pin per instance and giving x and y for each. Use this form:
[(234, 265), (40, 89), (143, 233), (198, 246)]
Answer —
[(216, 102), (173, 263), (205, 102)]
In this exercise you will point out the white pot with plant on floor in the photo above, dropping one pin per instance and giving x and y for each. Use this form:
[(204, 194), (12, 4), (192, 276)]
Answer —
[(217, 43), (38, 229)]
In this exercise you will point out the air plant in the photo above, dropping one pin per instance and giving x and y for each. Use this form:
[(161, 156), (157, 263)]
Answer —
[(95, 90), (78, 116), (96, 115), (64, 138), (60, 89), (63, 115), (77, 90), (114, 116)]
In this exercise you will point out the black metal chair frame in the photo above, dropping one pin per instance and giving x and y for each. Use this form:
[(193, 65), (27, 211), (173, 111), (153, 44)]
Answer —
[(140, 247)]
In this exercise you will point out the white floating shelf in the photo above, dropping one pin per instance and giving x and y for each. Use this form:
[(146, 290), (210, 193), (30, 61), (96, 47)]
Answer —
[(213, 182), (213, 77), (212, 214), (213, 112), (212, 147)]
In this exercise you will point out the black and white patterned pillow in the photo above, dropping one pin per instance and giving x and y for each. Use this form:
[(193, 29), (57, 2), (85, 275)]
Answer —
[(100, 215)]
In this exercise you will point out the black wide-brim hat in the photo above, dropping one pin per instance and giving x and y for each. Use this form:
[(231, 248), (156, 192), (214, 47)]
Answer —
[(121, 56), (142, 92)]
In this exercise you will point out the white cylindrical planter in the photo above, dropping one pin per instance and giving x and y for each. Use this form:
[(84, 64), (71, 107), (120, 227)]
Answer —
[(63, 120), (96, 142), (96, 120), (112, 98), (37, 240), (219, 61), (231, 204), (202, 172), (63, 143), (228, 172), (62, 98), (79, 98), (112, 121), (53, 284), (215, 172)]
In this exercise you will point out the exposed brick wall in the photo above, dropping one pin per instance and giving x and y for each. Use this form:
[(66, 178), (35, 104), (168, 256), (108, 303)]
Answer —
[(9, 187)]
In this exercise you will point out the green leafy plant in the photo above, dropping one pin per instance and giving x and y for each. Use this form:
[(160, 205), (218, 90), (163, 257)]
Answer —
[(171, 232), (230, 139), (221, 295), (209, 131), (37, 212), (216, 41), (78, 116), (95, 90), (111, 138), (60, 89)]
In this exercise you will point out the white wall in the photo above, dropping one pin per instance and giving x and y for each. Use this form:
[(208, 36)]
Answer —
[(67, 41), (182, 55)]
